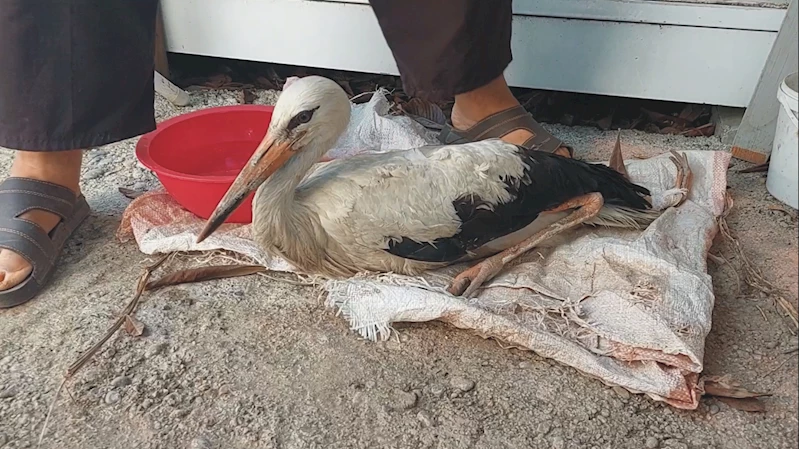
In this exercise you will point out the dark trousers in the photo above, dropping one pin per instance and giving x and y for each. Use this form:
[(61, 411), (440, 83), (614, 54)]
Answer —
[(76, 74)]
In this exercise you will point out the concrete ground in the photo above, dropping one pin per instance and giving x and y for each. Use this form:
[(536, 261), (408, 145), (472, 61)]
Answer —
[(257, 363)]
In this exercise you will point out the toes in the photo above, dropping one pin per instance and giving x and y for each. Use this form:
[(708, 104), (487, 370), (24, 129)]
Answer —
[(13, 269), (9, 280), (458, 285), (471, 291)]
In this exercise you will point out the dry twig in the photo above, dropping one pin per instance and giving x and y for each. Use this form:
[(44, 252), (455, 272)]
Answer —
[(86, 356), (751, 274)]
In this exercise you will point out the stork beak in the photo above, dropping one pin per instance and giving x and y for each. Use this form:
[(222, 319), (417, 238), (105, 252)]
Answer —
[(270, 155)]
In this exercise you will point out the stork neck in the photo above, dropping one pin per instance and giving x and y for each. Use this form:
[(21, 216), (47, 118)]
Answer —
[(277, 192)]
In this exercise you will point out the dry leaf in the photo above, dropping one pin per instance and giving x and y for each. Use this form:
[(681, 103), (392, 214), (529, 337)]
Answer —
[(246, 96), (716, 386), (133, 326), (651, 128), (780, 209), (218, 80), (277, 80), (204, 274), (421, 109), (531, 100), (605, 122), (617, 158), (733, 395), (692, 112), (265, 83), (346, 86), (745, 404), (665, 120), (706, 130), (756, 168), (669, 130), (130, 193)]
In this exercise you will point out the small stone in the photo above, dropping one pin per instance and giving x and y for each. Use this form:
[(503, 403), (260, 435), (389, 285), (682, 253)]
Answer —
[(425, 418), (210, 421), (544, 428), (651, 443), (112, 397), (437, 390), (179, 413), (676, 444), (558, 443), (604, 412), (462, 384), (172, 399), (121, 381), (8, 392), (147, 403), (403, 400), (714, 408), (622, 392), (154, 350), (223, 390), (525, 365)]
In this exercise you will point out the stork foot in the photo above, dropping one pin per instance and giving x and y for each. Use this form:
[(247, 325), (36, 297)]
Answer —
[(468, 282), (585, 208), (685, 177)]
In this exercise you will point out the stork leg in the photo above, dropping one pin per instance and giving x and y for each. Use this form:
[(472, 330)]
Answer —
[(468, 282)]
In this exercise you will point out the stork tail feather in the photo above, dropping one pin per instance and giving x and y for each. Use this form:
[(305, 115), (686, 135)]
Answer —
[(624, 217)]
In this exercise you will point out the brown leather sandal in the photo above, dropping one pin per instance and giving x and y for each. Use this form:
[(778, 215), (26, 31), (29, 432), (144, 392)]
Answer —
[(39, 248), (503, 123)]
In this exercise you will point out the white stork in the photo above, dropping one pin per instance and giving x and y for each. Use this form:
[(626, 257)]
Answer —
[(419, 209)]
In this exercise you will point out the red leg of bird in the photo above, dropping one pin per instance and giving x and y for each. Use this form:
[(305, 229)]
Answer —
[(468, 282)]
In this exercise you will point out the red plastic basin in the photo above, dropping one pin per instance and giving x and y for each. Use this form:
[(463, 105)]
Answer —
[(196, 156)]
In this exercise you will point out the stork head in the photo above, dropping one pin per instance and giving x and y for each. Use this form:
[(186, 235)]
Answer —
[(309, 117)]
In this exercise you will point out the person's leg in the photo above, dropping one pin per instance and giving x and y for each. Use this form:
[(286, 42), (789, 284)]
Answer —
[(76, 75), (62, 168), (460, 49), (477, 104)]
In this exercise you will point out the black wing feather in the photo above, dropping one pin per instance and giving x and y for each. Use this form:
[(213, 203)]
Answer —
[(548, 181)]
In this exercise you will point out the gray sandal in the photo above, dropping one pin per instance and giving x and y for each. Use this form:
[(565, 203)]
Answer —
[(505, 122), (39, 248)]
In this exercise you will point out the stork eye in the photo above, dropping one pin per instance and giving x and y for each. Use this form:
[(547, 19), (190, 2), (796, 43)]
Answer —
[(304, 117), (301, 118)]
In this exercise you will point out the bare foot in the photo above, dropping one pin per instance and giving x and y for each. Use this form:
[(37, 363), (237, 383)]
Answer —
[(62, 168)]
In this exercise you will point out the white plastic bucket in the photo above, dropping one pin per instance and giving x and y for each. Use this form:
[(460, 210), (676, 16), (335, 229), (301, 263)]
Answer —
[(783, 170)]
